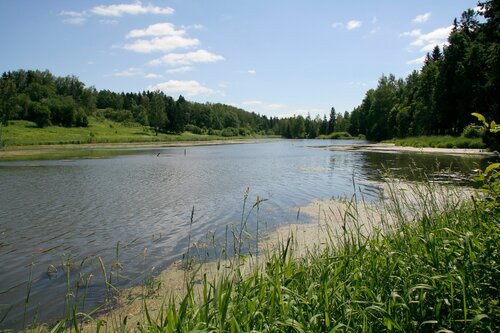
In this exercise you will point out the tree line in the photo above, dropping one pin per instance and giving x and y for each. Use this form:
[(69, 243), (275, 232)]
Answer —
[(45, 99), (455, 81)]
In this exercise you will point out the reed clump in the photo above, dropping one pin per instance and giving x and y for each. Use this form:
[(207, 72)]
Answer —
[(428, 262)]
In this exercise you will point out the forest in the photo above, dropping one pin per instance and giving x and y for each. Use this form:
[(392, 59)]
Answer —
[(461, 78), (455, 81)]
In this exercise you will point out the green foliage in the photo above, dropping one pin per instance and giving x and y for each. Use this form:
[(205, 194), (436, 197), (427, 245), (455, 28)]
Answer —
[(488, 180), (336, 136), (439, 141), (40, 114), (437, 100), (230, 131), (70, 104), (472, 131), (194, 129)]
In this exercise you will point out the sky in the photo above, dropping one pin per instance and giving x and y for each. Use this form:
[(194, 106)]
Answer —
[(273, 57)]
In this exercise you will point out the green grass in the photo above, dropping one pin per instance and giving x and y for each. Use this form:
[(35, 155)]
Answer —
[(439, 273), (439, 141), (337, 136), (431, 265), (22, 133)]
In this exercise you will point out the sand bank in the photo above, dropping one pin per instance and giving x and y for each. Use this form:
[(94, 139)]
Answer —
[(392, 148)]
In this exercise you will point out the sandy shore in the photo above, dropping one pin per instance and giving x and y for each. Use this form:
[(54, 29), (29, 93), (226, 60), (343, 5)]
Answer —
[(332, 220), (38, 150), (392, 148)]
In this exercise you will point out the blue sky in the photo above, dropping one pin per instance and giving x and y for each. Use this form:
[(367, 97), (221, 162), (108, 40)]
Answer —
[(277, 58)]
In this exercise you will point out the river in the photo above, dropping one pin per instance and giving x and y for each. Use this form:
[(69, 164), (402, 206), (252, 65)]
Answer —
[(57, 218)]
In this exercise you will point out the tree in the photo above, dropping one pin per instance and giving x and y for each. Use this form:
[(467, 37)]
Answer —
[(7, 100), (331, 122), (40, 114), (157, 113)]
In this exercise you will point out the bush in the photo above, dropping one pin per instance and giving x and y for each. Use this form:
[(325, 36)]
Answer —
[(194, 129), (40, 114), (230, 131), (472, 131), (116, 115)]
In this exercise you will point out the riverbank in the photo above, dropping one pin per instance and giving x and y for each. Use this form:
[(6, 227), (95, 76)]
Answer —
[(377, 266), (393, 148), (102, 150)]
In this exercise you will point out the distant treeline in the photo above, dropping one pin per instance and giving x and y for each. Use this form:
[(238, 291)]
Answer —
[(45, 99), (462, 78)]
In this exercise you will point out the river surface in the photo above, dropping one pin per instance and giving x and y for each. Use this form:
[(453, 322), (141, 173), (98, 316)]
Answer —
[(139, 212)]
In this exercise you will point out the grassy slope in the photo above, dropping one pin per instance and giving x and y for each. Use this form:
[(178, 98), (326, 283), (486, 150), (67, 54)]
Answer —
[(20, 133), (440, 273), (442, 141)]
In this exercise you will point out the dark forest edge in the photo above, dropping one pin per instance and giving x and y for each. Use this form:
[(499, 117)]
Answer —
[(460, 79)]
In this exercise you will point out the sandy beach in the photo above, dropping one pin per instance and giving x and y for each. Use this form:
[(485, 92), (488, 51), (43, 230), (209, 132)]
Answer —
[(392, 148)]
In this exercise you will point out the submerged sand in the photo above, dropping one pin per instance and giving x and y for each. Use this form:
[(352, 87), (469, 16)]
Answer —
[(392, 148), (332, 221)]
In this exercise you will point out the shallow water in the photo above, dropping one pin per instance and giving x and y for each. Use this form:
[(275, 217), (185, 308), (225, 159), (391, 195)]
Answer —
[(136, 210)]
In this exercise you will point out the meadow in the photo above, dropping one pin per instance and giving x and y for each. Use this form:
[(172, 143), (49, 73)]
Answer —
[(24, 133)]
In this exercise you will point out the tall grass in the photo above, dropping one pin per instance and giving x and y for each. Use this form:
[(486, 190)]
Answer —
[(431, 265), (428, 261)]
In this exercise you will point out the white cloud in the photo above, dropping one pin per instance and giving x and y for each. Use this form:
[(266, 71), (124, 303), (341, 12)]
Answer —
[(130, 9), (108, 21), (422, 18), (156, 30), (413, 33), (199, 56), (188, 88), (374, 20), (75, 20), (275, 106), (73, 17), (162, 44), (353, 24), (153, 76), (417, 61), (72, 13), (182, 69), (350, 25), (132, 71), (251, 71), (427, 42)]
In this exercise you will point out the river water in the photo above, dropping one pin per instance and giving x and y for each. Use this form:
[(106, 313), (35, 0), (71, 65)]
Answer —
[(57, 218)]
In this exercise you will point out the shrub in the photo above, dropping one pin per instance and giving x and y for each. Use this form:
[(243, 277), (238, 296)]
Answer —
[(472, 131), (230, 131), (194, 129)]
